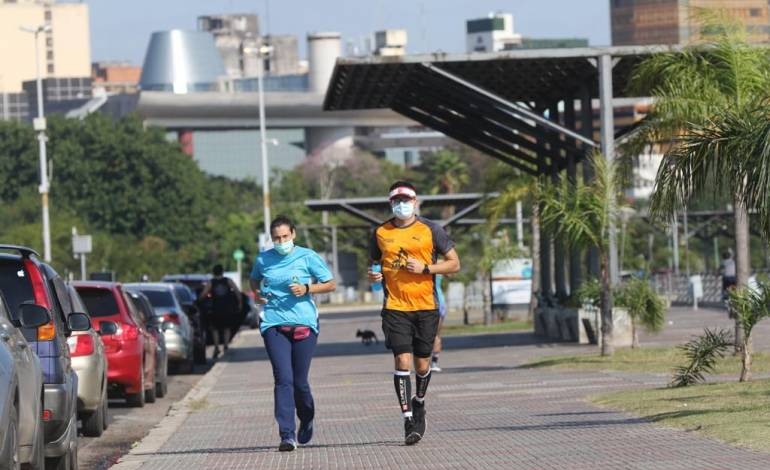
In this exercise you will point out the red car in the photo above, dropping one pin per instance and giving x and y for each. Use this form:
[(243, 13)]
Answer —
[(131, 350)]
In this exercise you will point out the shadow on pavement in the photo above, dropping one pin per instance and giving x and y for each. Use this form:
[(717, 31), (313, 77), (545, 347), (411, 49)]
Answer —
[(562, 425), (356, 348)]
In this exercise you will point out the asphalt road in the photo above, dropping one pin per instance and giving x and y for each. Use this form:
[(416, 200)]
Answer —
[(129, 425)]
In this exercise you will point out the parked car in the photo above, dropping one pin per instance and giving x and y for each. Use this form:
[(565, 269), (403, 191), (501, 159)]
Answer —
[(25, 279), (131, 350), (189, 301), (177, 328), (194, 281), (154, 324), (89, 360), (21, 400)]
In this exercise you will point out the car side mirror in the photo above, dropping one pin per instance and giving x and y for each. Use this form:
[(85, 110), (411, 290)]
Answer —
[(77, 321), (33, 315), (107, 328)]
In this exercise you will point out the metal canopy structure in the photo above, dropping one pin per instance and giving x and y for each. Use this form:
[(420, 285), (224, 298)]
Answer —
[(520, 107), (466, 203), (504, 104)]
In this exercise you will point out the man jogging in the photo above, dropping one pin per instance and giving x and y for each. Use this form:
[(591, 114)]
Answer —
[(408, 247)]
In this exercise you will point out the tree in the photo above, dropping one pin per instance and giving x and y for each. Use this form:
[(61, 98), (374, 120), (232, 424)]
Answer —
[(750, 305), (583, 213), (443, 172), (709, 109)]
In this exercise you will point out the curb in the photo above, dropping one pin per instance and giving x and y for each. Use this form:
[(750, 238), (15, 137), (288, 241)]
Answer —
[(162, 432)]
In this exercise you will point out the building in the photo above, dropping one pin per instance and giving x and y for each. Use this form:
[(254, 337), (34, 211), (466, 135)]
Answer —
[(116, 77), (636, 22), (390, 42), (64, 50), (491, 34), (237, 37)]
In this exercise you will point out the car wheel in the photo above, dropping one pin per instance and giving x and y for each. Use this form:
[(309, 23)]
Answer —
[(161, 387), (11, 442), (93, 423), (199, 352), (105, 409), (37, 460), (149, 394), (137, 399)]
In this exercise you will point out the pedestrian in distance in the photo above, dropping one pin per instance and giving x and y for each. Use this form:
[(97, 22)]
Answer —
[(283, 279), (408, 247), (727, 270), (434, 367), (224, 305)]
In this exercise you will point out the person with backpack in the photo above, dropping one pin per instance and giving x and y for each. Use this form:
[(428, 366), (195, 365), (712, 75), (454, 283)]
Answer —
[(225, 305)]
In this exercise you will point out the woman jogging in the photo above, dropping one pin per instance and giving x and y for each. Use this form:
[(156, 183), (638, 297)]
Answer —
[(283, 279)]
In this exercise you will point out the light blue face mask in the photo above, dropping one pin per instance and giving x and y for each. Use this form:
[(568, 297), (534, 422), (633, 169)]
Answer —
[(285, 247), (403, 210)]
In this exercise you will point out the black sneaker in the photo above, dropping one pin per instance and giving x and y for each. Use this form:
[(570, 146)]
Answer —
[(305, 432), (410, 435), (418, 413), (287, 445)]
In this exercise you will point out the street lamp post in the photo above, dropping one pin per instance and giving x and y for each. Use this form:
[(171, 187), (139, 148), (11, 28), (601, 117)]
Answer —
[(39, 125), (263, 51)]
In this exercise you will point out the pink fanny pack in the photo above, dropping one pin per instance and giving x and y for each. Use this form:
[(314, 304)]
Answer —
[(297, 333)]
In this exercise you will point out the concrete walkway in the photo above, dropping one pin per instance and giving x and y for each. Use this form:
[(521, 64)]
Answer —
[(483, 411)]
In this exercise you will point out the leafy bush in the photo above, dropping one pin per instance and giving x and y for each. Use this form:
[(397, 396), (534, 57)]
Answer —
[(644, 305)]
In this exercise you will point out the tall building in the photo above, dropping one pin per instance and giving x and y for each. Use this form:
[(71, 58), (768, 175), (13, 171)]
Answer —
[(236, 34), (494, 33), (64, 53), (65, 50), (637, 22)]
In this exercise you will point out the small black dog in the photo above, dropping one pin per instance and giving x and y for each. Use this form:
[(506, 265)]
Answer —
[(367, 336)]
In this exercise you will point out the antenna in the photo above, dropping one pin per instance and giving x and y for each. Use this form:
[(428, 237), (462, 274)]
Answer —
[(267, 18)]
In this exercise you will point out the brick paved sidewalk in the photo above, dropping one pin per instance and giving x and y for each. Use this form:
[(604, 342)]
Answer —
[(483, 412)]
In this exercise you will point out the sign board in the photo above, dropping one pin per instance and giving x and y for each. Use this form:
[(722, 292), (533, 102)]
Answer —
[(238, 254), (696, 284), (81, 244), (512, 281)]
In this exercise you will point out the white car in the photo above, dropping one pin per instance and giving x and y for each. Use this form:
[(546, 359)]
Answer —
[(21, 383), (90, 364)]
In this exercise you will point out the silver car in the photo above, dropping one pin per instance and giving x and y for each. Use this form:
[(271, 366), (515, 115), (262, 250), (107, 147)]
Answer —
[(90, 364), (21, 382), (176, 326)]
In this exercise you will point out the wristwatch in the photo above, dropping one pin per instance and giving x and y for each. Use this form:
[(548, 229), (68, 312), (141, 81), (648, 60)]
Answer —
[(426, 269)]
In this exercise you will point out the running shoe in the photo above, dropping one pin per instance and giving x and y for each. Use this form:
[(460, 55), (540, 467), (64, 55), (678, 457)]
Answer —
[(410, 435), (305, 432), (434, 367), (418, 413), (287, 445)]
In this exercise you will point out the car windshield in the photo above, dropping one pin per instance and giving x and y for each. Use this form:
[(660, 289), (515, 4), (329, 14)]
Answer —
[(15, 284), (159, 298), (99, 302), (184, 294)]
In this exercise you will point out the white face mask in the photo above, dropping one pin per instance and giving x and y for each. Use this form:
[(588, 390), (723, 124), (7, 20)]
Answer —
[(285, 247), (403, 210)]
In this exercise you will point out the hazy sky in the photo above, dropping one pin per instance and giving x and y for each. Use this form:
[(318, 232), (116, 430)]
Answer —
[(120, 29)]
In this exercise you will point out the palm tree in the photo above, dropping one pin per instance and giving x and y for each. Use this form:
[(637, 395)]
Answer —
[(709, 109), (445, 173), (583, 213), (750, 305)]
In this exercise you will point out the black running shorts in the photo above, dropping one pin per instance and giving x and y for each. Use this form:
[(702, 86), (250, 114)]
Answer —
[(410, 332)]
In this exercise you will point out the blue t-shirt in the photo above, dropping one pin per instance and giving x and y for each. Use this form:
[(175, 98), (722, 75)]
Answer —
[(275, 272)]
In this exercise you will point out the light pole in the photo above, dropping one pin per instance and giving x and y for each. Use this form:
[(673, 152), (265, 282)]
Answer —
[(39, 125), (263, 51)]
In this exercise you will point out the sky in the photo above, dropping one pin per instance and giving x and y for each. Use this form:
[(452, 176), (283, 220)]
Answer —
[(120, 29)]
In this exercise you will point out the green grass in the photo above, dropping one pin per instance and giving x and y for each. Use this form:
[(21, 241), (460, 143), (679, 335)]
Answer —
[(651, 360), (734, 412), (501, 327)]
